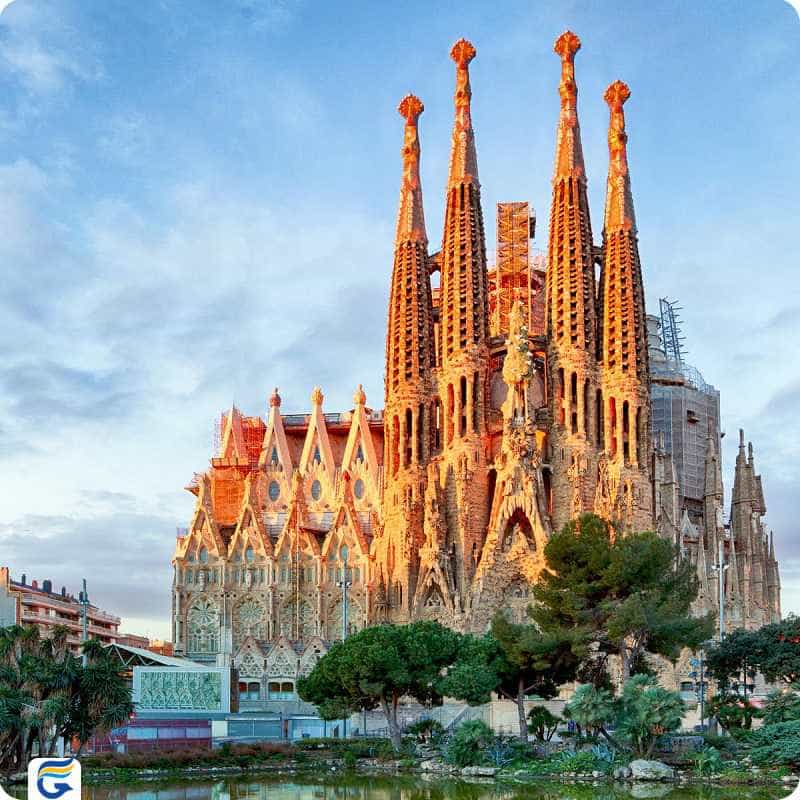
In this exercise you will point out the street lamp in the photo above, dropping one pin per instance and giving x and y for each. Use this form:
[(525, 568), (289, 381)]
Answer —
[(720, 568), (697, 674), (344, 584)]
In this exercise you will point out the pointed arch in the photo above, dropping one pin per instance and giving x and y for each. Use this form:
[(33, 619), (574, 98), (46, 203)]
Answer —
[(317, 444)]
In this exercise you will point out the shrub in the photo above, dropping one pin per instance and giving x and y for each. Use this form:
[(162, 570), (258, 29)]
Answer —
[(733, 713), (776, 745), (781, 707), (542, 723), (574, 762), (645, 712), (426, 730), (707, 761), (468, 744), (591, 708)]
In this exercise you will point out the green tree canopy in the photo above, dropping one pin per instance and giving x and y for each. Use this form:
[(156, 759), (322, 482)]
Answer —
[(773, 650), (646, 711), (515, 660), (630, 595), (377, 666), (643, 712), (46, 693)]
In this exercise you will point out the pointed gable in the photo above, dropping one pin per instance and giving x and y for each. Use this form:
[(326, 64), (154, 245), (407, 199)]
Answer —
[(203, 530), (250, 528), (275, 454), (317, 447), (346, 517), (233, 441)]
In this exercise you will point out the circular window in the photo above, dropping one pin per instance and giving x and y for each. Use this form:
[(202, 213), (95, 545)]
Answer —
[(203, 555), (358, 488), (249, 554), (274, 490), (316, 490)]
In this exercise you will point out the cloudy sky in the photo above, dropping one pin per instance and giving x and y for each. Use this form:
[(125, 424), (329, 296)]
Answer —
[(197, 201)]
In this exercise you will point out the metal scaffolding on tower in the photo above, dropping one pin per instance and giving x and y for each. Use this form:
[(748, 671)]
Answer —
[(515, 228)]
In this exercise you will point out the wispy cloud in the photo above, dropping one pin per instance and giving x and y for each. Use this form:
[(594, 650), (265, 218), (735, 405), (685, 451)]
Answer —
[(43, 51)]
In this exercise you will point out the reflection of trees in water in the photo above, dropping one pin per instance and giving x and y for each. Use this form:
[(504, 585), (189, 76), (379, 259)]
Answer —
[(413, 788)]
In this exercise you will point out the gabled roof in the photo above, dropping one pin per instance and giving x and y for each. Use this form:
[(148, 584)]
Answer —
[(139, 657)]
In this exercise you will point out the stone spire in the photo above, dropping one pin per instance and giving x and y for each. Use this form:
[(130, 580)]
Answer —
[(575, 404), (463, 365), (463, 157), (464, 303), (570, 276), (409, 340), (623, 326), (622, 322), (410, 217), (741, 484), (569, 152), (712, 497), (409, 396)]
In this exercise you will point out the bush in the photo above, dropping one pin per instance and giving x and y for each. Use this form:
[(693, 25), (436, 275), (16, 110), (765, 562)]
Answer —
[(542, 724), (645, 712), (707, 762), (781, 707), (426, 730), (776, 745), (574, 762), (242, 755), (468, 744)]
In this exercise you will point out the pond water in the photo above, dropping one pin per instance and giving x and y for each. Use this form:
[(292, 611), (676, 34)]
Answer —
[(383, 788)]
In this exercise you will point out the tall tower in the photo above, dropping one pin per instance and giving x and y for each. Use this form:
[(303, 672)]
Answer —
[(464, 328), (623, 335), (571, 323), (409, 361)]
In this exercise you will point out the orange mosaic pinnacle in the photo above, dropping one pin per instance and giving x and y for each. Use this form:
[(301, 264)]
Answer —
[(463, 158), (440, 505), (411, 219)]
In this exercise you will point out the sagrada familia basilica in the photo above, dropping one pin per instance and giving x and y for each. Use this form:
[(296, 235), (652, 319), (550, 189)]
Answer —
[(496, 430)]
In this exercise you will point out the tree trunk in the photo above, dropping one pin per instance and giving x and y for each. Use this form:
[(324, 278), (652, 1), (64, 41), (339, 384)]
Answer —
[(391, 720), (523, 722), (609, 738), (625, 665)]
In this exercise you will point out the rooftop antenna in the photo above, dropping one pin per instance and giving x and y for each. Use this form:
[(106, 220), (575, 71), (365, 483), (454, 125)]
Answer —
[(84, 601)]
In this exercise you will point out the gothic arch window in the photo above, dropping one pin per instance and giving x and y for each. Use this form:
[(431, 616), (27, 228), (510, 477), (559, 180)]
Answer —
[(355, 619), (203, 626), (274, 490), (316, 490), (301, 624), (317, 458), (249, 555), (274, 457), (203, 555), (518, 526), (251, 666), (360, 455), (248, 620)]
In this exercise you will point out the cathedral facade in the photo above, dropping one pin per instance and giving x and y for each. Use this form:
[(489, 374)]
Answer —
[(491, 436)]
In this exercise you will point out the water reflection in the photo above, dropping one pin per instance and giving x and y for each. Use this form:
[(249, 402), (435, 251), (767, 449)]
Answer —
[(382, 788)]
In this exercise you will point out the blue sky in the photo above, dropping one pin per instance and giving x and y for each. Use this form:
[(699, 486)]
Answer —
[(198, 201)]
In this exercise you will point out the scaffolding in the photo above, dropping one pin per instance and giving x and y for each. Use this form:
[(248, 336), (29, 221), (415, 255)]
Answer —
[(671, 330), (512, 276)]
